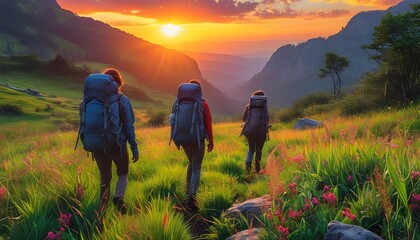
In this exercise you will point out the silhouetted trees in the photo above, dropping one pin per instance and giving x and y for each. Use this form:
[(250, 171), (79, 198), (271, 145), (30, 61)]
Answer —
[(334, 68)]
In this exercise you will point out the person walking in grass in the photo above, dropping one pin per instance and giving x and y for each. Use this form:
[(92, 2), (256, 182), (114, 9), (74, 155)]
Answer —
[(191, 124), (107, 124), (118, 154), (255, 128)]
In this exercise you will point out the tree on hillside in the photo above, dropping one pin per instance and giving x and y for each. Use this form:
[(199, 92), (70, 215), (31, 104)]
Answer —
[(334, 67), (396, 41)]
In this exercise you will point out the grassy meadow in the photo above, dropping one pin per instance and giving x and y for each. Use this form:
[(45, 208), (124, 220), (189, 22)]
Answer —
[(362, 170)]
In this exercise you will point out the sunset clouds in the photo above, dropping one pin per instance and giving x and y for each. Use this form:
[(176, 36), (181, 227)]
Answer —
[(189, 11)]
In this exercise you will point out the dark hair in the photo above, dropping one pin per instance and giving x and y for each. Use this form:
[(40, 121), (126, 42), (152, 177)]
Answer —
[(258, 93), (195, 81), (116, 75)]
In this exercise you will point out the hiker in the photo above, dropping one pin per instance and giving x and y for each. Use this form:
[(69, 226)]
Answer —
[(103, 97), (190, 125), (255, 128)]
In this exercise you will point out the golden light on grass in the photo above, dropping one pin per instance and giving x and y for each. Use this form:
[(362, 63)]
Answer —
[(171, 30)]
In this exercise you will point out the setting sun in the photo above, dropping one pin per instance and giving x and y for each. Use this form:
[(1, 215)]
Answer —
[(171, 30)]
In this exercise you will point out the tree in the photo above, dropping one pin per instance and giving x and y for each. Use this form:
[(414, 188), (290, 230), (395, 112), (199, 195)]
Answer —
[(334, 67), (396, 42)]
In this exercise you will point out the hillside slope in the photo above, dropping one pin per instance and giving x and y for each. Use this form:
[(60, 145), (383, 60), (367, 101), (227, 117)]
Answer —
[(44, 29), (292, 70)]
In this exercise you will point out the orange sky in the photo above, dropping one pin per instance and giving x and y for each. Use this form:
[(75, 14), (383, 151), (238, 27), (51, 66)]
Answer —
[(287, 21)]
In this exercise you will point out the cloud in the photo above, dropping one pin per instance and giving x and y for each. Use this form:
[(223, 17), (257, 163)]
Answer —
[(287, 12), (178, 10), (378, 3)]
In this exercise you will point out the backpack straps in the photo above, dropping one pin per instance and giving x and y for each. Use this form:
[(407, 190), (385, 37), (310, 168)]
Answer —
[(82, 110)]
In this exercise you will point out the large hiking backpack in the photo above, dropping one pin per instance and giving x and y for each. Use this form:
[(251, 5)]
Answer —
[(186, 120), (257, 121), (100, 123)]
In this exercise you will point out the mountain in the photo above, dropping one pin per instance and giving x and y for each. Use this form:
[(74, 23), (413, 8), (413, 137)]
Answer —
[(44, 29), (227, 72), (292, 71)]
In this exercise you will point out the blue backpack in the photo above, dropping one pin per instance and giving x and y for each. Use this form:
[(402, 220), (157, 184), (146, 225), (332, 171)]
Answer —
[(100, 111), (186, 120)]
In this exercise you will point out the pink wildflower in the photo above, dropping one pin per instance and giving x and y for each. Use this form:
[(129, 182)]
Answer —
[(294, 214), (65, 219), (283, 230), (297, 178), (298, 158), (356, 157), (292, 187), (391, 145), (277, 213), (53, 236), (330, 198), (315, 201), (326, 188), (307, 205), (2, 193), (416, 197), (347, 213), (269, 216), (415, 175), (349, 178)]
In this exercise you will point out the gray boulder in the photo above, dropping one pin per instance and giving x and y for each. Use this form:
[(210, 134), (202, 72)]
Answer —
[(342, 231), (252, 208), (249, 234)]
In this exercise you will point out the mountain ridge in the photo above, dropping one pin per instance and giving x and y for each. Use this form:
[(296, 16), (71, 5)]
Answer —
[(292, 70), (44, 29)]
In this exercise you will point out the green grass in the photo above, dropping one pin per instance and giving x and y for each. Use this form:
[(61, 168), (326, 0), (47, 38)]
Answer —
[(42, 176)]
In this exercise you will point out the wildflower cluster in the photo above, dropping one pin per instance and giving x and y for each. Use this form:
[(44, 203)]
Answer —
[(415, 175), (64, 220), (2, 193), (347, 213)]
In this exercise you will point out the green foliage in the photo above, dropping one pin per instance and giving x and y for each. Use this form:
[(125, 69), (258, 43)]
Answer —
[(334, 68), (10, 109), (304, 106), (396, 41), (157, 118)]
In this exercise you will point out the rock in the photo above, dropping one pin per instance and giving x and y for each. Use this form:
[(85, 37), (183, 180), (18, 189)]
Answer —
[(252, 208), (342, 231), (249, 234)]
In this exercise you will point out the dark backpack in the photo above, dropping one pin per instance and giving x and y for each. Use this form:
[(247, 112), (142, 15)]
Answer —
[(186, 120), (100, 111), (257, 121)]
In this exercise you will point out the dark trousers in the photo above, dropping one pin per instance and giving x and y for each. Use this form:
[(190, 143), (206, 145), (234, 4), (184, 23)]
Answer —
[(195, 157), (255, 145), (104, 161)]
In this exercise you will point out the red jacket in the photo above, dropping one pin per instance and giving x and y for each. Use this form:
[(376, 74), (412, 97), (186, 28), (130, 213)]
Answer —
[(207, 121)]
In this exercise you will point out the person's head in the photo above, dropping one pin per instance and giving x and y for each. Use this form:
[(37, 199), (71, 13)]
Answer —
[(258, 93), (116, 75), (195, 81)]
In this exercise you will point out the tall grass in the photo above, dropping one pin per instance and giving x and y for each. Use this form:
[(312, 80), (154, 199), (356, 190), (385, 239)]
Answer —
[(43, 178)]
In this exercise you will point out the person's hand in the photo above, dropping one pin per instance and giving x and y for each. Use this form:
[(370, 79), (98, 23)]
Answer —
[(135, 158), (210, 147)]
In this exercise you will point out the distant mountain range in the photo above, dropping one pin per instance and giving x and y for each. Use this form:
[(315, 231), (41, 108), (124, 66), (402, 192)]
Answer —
[(43, 28), (227, 72), (292, 70)]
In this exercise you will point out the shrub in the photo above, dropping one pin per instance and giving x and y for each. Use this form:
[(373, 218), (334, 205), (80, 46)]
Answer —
[(157, 118), (10, 109)]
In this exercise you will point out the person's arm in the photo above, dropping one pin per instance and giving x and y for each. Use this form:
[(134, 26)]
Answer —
[(208, 125), (128, 126), (245, 114)]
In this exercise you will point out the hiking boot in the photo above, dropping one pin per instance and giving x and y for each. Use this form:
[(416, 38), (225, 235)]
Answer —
[(248, 168), (119, 203)]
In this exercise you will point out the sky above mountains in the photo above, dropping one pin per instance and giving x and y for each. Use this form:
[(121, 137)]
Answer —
[(224, 21)]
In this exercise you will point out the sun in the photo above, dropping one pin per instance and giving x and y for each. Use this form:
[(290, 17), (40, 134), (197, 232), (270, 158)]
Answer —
[(171, 30)]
